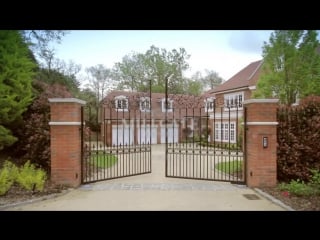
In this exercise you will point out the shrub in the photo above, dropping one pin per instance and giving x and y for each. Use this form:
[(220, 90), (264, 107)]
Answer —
[(8, 175), (297, 187), (298, 137), (315, 179), (300, 188), (34, 131), (31, 178)]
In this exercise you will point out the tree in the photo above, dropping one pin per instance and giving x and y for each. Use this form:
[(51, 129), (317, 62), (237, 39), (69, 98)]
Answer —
[(291, 66), (34, 130), (62, 73), (194, 87), (16, 73), (137, 71), (211, 79), (90, 97), (100, 81), (39, 41)]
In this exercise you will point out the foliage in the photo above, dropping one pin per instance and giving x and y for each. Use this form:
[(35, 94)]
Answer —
[(193, 87), (16, 72), (62, 73), (103, 160), (297, 187), (221, 145), (229, 167), (298, 140), (300, 188), (209, 81), (31, 178), (34, 130), (39, 42), (137, 71), (100, 81), (291, 66), (8, 174), (212, 79), (241, 132), (91, 109), (315, 179)]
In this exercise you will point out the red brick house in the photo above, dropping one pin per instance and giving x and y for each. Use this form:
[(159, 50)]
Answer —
[(227, 100), (133, 118), (129, 118)]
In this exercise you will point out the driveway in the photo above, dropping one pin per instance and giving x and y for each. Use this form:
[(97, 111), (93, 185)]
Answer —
[(156, 192)]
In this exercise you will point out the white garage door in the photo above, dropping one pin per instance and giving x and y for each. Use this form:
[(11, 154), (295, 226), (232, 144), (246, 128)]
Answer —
[(173, 135), (144, 135), (122, 135)]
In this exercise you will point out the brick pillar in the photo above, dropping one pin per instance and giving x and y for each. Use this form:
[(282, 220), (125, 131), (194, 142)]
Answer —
[(261, 126), (65, 141)]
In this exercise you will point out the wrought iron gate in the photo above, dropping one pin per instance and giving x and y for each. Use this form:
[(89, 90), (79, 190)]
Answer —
[(116, 137), (208, 144)]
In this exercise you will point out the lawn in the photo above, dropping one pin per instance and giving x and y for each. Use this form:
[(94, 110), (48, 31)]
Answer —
[(103, 160), (229, 167)]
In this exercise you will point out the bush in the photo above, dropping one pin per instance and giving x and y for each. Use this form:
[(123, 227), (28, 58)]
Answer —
[(298, 140), (297, 187), (300, 188), (8, 175), (315, 179), (31, 178), (34, 131)]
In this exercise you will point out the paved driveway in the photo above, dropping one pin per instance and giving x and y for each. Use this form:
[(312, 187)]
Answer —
[(156, 192)]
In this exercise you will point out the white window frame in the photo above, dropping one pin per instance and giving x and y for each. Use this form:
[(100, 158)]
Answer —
[(234, 100), (163, 103), (225, 130), (119, 103), (209, 104), (145, 104)]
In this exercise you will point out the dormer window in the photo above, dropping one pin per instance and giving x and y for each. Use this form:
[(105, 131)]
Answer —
[(166, 107), (145, 104), (209, 104), (233, 101), (121, 103)]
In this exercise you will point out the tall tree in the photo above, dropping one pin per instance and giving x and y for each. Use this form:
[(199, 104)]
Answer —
[(39, 41), (100, 81), (291, 66), (62, 73), (16, 74), (137, 70), (211, 79)]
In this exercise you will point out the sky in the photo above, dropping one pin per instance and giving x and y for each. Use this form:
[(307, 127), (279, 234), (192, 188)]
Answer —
[(223, 51)]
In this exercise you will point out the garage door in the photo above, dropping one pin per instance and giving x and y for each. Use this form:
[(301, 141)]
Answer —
[(144, 135), (173, 135), (122, 135)]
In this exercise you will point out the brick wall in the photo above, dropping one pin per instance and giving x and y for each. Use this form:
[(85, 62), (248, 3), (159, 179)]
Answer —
[(261, 169), (65, 142)]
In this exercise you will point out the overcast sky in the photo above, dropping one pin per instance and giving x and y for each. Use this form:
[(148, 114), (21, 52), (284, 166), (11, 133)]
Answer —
[(225, 52)]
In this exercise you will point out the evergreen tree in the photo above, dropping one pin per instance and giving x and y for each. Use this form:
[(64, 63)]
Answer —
[(16, 73)]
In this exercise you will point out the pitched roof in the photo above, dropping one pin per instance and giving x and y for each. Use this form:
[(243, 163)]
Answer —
[(248, 76)]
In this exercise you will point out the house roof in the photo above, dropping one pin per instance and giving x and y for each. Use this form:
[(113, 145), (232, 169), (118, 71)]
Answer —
[(248, 76), (184, 104)]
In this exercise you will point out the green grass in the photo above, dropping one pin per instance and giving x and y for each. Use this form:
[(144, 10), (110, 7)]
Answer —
[(229, 167), (103, 160)]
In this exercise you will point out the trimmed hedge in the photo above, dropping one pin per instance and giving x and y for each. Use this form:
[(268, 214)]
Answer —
[(299, 140)]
